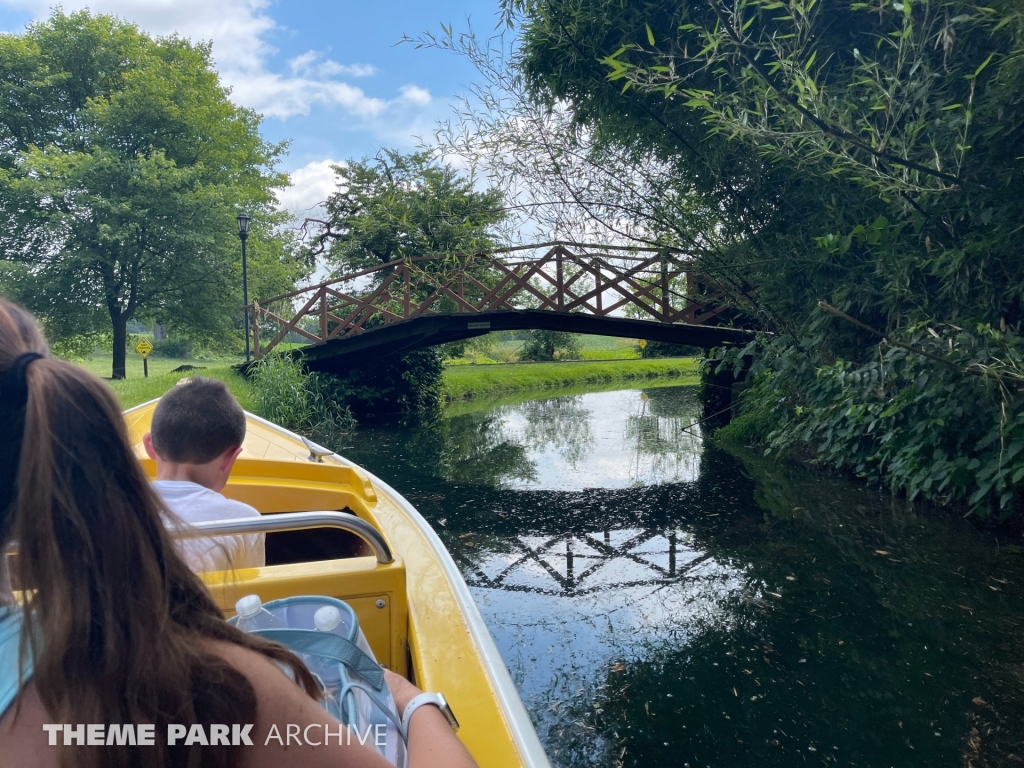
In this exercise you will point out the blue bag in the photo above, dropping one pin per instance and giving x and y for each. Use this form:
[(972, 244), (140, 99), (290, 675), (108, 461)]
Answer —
[(344, 666)]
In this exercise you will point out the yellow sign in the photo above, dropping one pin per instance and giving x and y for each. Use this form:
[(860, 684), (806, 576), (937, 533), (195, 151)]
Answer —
[(643, 343), (144, 348)]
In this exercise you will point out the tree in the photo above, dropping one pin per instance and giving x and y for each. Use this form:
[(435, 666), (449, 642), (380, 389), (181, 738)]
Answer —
[(838, 161), (122, 166), (397, 206), (547, 345), (859, 152)]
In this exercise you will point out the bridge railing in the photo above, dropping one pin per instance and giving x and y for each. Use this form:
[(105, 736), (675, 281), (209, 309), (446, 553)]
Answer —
[(647, 283)]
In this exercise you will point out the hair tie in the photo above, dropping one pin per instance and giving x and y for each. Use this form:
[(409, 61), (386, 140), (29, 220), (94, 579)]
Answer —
[(13, 399)]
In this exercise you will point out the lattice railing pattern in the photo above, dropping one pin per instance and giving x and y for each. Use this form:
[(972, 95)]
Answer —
[(602, 284)]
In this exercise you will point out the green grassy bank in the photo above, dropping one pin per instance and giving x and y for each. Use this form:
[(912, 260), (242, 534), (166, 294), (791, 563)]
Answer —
[(461, 383), (486, 402), (99, 364), (132, 391), (465, 382)]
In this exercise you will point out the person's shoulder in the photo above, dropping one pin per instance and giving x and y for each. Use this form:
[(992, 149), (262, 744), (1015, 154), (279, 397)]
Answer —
[(240, 508), (244, 659), (193, 502), (275, 690)]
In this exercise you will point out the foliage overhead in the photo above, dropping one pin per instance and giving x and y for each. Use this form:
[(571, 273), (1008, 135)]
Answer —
[(122, 166), (864, 155), (858, 152)]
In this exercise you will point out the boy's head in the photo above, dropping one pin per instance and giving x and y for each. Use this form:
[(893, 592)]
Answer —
[(196, 433)]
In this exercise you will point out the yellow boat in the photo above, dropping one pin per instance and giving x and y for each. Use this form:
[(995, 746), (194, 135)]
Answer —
[(412, 602)]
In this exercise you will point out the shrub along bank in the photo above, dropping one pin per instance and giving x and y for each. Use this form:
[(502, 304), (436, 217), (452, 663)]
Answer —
[(458, 383), (942, 420)]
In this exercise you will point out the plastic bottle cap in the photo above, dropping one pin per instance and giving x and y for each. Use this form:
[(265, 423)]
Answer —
[(326, 618), (248, 606)]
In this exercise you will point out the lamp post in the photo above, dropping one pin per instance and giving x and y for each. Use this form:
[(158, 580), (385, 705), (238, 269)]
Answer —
[(243, 235)]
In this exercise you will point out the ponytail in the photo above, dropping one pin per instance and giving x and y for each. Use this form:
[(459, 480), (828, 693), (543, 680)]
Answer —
[(116, 621)]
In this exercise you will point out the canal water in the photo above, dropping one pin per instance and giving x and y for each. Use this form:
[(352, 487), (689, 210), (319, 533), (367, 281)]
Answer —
[(661, 601)]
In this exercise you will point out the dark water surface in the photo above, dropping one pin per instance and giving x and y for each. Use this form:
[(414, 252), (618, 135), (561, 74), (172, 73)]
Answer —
[(658, 601)]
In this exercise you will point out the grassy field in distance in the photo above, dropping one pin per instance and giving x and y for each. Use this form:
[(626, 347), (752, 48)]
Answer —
[(593, 348), (608, 362), (464, 382), (99, 363), (136, 389)]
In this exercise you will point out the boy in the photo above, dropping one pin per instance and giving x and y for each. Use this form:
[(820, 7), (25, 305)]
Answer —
[(195, 436)]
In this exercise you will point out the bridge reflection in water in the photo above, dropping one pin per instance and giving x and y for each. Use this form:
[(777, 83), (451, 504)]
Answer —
[(657, 606), (658, 436), (575, 565)]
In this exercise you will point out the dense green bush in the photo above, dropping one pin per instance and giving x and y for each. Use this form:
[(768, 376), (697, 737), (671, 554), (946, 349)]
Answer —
[(299, 401), (401, 388), (176, 347), (944, 421), (665, 349)]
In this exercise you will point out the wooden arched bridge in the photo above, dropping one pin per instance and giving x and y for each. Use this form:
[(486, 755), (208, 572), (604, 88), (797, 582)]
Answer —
[(409, 304)]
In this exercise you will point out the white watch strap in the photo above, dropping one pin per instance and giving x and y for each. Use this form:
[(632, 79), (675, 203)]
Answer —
[(422, 700), (419, 701)]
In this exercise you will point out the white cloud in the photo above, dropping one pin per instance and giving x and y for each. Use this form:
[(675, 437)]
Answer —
[(329, 68), (311, 186), (415, 95), (275, 96), (313, 64), (238, 29)]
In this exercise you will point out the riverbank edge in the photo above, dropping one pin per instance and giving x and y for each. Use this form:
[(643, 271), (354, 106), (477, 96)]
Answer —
[(518, 397), (460, 383), (467, 382)]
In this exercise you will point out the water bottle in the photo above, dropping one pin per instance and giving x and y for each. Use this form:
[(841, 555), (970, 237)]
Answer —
[(252, 615), (326, 619), (358, 710)]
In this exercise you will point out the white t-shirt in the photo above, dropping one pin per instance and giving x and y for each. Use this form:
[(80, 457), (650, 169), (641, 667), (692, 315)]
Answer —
[(195, 504)]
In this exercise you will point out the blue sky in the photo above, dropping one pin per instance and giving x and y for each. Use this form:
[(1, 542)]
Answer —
[(327, 76)]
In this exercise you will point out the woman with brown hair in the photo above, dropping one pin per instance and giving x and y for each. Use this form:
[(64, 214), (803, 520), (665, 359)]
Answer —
[(117, 629)]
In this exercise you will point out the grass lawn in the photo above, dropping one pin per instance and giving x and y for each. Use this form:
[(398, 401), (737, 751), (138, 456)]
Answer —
[(132, 392), (494, 349), (99, 363), (136, 389), (463, 382)]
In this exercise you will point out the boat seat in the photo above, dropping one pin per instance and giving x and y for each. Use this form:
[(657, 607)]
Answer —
[(285, 547), (317, 561), (274, 487), (293, 486)]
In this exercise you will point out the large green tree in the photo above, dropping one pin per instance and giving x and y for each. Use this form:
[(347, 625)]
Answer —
[(122, 166), (808, 120), (400, 206)]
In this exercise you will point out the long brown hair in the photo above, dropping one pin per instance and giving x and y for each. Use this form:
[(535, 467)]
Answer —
[(115, 619)]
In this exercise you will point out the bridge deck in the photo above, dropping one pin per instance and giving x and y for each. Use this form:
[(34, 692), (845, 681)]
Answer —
[(414, 303), (338, 355)]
